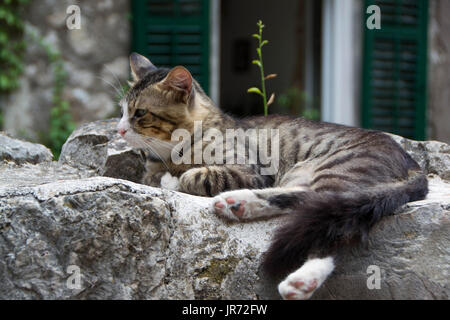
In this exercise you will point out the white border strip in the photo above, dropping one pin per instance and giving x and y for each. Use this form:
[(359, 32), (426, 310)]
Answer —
[(338, 79), (214, 53)]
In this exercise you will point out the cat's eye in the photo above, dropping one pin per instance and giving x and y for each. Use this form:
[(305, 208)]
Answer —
[(140, 113)]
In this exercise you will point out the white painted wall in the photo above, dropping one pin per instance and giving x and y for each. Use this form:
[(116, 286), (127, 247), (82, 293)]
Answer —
[(214, 57), (340, 66)]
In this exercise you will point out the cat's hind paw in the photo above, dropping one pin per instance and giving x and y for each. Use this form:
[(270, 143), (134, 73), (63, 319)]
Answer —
[(301, 284), (297, 289)]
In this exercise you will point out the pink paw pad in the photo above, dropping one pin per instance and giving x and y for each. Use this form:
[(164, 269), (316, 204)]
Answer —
[(238, 208), (298, 284), (291, 296), (219, 205), (230, 200), (305, 288)]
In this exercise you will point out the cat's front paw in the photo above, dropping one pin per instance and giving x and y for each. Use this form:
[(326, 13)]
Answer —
[(234, 205), (170, 182), (196, 181)]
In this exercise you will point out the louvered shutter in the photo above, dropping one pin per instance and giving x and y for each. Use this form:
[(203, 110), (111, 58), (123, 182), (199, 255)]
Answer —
[(174, 32), (394, 70)]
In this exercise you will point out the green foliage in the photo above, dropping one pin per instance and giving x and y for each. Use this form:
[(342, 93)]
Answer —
[(12, 45), (12, 48), (61, 123), (294, 101), (313, 114), (259, 63)]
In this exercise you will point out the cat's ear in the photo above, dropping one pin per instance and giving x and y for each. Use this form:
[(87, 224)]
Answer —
[(140, 66), (179, 79)]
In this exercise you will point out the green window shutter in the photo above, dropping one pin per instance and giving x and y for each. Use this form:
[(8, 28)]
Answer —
[(174, 32), (394, 69)]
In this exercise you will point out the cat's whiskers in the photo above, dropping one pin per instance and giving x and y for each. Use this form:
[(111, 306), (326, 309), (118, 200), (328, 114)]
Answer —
[(158, 145), (159, 142), (118, 80), (118, 92), (147, 145), (141, 141)]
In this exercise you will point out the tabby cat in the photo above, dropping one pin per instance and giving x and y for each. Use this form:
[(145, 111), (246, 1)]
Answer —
[(334, 182)]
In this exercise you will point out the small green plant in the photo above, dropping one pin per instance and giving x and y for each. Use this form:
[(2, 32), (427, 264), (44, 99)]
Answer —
[(61, 123), (259, 63)]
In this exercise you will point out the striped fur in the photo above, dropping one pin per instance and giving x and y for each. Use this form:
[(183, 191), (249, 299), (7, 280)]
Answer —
[(334, 182)]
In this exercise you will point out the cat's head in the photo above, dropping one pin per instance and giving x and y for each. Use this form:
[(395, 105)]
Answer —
[(159, 101)]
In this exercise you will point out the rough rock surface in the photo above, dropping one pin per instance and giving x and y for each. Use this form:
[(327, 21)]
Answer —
[(432, 156), (97, 146), (131, 241), (22, 151)]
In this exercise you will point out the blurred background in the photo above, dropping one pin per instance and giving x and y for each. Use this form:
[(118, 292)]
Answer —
[(330, 66)]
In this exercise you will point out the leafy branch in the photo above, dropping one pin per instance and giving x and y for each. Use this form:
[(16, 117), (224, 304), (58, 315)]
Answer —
[(259, 63)]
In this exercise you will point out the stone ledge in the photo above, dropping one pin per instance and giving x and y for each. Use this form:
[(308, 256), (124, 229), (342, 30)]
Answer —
[(137, 242), (132, 241)]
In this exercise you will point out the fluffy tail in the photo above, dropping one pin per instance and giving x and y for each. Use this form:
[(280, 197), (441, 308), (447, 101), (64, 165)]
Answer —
[(325, 221)]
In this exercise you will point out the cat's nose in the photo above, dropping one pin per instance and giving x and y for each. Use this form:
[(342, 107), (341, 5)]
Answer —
[(122, 132)]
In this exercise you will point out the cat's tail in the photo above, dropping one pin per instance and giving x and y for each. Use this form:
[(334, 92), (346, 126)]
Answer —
[(324, 221)]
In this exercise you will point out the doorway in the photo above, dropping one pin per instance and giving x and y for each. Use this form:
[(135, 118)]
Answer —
[(293, 29)]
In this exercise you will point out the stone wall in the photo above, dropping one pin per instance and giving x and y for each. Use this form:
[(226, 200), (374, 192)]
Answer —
[(101, 47), (131, 241), (99, 50)]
